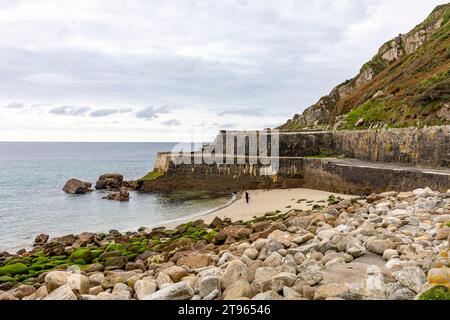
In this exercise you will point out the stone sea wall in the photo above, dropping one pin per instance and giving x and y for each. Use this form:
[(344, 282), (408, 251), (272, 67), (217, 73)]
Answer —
[(427, 147), (386, 159), (322, 174)]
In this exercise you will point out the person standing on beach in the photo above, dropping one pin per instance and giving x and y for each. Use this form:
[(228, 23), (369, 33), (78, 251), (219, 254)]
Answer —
[(247, 198)]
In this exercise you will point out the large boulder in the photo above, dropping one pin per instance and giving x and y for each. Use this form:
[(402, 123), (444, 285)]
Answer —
[(62, 293), (109, 181), (236, 270), (239, 289), (77, 282), (75, 186), (176, 291)]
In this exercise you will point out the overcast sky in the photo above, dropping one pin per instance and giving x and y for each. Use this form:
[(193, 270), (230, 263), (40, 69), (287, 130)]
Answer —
[(174, 70)]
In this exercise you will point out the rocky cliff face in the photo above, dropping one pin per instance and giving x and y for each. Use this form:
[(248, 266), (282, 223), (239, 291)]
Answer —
[(406, 83)]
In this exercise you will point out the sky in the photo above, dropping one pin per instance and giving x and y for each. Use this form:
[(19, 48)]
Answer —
[(172, 70)]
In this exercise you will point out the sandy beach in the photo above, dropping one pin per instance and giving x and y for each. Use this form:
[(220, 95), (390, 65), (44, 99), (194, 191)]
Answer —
[(263, 201)]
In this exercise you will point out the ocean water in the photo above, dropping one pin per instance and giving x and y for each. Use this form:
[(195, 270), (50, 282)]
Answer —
[(32, 175)]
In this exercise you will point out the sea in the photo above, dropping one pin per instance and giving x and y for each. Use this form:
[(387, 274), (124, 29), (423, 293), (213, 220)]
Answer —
[(32, 176)]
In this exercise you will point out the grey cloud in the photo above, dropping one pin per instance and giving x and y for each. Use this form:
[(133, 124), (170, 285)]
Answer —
[(171, 123), (151, 112), (226, 125), (107, 112), (242, 111), (69, 110), (15, 105), (261, 59)]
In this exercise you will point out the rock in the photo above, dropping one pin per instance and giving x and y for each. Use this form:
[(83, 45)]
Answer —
[(330, 290), (442, 233), (95, 290), (239, 289), (268, 295), (176, 273), (121, 195), (41, 292), (41, 239), (265, 233), (291, 294), (412, 278), (261, 226), (311, 278), (260, 243), (379, 246), (144, 288), (326, 234), (403, 294), (121, 292), (212, 295), (355, 250), (283, 279), (404, 195), (439, 276), (237, 232), (22, 291), (422, 192), (114, 277), (285, 238), (114, 263), (302, 239), (6, 296), (236, 270), (75, 186), (194, 260), (217, 223), (138, 265), (176, 291), (208, 284), (94, 267), (274, 260), (62, 293), (270, 247), (252, 253), (109, 181), (55, 279), (163, 279), (96, 279), (389, 254)]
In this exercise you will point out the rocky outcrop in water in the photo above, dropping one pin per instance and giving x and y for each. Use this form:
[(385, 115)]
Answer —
[(75, 186), (390, 246), (121, 195), (109, 181)]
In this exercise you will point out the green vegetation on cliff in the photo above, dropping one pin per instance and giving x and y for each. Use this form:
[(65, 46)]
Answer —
[(407, 83), (152, 175)]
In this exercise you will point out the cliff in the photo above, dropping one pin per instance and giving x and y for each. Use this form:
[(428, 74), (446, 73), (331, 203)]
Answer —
[(406, 83)]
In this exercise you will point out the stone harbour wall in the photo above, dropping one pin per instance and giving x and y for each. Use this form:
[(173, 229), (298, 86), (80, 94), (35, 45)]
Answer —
[(322, 174), (425, 147)]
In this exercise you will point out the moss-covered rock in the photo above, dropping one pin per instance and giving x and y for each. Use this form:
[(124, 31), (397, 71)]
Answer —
[(4, 279), (36, 267), (82, 253), (13, 269), (80, 262), (436, 293)]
